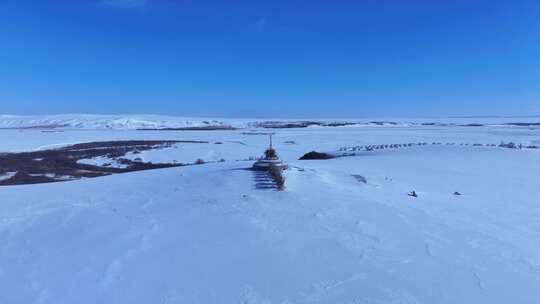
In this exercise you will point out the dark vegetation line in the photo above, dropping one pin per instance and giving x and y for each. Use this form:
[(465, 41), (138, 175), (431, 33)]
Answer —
[(353, 150), (509, 145), (62, 164)]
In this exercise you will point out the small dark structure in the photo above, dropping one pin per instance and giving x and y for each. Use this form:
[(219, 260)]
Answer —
[(413, 194), (272, 165), (270, 159)]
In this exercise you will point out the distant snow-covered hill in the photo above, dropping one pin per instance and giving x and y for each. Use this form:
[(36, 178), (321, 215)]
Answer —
[(132, 122), (80, 121), (128, 122)]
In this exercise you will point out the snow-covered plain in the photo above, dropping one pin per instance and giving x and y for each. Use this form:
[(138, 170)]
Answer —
[(206, 234)]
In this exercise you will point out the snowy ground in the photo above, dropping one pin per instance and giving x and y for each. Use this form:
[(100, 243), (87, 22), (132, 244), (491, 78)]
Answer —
[(205, 234)]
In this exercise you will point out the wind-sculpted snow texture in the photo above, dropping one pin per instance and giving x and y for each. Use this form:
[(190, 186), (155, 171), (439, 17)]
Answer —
[(217, 233)]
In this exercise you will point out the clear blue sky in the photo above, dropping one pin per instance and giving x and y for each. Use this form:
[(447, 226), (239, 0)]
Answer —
[(285, 58)]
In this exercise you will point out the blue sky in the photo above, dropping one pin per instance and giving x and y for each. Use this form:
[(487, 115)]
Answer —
[(270, 58)]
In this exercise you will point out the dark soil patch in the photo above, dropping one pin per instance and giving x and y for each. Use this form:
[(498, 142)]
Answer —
[(339, 124), (316, 155), (300, 124), (360, 178), (523, 124), (382, 123), (204, 128), (287, 125), (61, 164), (473, 125)]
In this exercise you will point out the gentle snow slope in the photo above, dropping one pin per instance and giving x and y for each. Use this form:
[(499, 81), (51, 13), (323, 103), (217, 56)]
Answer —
[(204, 234)]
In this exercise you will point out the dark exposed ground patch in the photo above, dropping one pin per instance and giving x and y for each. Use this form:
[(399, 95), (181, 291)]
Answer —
[(382, 123), (473, 125), (360, 178), (203, 128), (316, 155), (299, 124), (524, 124), (62, 164)]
